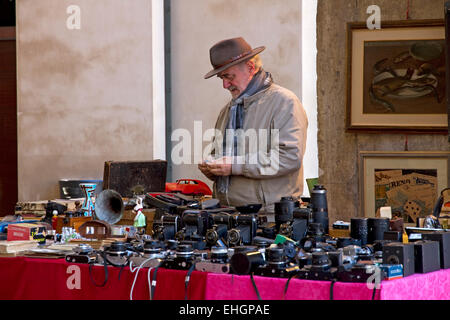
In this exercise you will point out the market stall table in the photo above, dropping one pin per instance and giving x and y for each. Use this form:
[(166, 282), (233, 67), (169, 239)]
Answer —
[(54, 279)]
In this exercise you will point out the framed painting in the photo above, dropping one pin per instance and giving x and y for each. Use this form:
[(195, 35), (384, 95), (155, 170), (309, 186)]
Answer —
[(408, 182), (397, 77)]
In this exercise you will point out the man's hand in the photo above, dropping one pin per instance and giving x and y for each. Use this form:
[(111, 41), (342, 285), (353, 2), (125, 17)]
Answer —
[(203, 167), (220, 167)]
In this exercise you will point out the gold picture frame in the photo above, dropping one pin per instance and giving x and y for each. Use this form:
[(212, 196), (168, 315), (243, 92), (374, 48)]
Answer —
[(408, 177), (396, 77)]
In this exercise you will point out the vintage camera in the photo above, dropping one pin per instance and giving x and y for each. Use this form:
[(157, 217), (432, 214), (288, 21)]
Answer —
[(277, 264), (183, 259), (361, 272), (118, 253), (222, 222), (320, 268), (194, 223), (357, 253), (314, 235), (152, 255), (218, 262), (83, 253), (296, 228), (244, 230), (246, 259), (166, 227)]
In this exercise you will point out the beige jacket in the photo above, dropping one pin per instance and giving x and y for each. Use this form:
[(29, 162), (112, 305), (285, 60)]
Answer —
[(273, 108)]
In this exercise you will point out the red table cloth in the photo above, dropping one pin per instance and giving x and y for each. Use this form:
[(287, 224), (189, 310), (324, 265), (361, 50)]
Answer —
[(55, 279)]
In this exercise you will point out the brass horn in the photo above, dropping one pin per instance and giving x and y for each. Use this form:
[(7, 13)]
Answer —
[(109, 206)]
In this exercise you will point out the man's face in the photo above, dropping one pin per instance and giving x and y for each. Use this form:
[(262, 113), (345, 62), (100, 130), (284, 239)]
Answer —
[(236, 78)]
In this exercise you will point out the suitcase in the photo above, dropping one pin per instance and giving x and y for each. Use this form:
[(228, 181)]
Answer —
[(130, 178)]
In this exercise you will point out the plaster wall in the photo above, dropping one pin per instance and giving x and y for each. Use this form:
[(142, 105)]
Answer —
[(84, 95)]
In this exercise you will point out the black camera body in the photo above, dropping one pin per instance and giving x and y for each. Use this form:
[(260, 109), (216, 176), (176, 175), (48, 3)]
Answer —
[(222, 222), (183, 259), (277, 264), (315, 234), (195, 224), (296, 228), (320, 269), (166, 227), (361, 272), (244, 231)]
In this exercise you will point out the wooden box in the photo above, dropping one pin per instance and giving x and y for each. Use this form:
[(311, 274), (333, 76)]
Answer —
[(71, 222), (129, 178)]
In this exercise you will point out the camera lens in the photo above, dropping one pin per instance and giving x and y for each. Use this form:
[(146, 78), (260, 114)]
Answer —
[(211, 236), (275, 255), (246, 262), (185, 250), (358, 229), (284, 210), (219, 254), (234, 237), (152, 247), (171, 244)]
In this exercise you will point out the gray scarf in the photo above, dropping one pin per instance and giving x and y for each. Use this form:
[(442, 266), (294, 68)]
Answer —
[(260, 81)]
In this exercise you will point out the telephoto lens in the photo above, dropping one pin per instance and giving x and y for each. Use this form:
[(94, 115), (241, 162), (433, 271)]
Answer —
[(359, 229), (320, 206), (376, 228), (246, 260)]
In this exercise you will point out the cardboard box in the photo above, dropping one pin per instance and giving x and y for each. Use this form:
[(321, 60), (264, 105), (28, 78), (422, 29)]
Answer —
[(25, 231)]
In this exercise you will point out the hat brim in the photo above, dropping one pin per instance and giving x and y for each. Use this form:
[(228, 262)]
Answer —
[(249, 56)]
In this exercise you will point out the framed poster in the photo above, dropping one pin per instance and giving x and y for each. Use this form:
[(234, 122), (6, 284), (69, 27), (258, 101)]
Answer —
[(397, 77), (408, 182)]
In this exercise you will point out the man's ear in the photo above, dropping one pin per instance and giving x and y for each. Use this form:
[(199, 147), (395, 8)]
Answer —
[(251, 66)]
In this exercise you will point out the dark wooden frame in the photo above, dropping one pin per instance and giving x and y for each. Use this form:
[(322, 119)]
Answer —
[(351, 26)]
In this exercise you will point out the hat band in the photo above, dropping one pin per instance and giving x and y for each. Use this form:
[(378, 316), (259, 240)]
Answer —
[(234, 59)]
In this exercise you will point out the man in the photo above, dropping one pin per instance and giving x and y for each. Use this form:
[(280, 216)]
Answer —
[(245, 170)]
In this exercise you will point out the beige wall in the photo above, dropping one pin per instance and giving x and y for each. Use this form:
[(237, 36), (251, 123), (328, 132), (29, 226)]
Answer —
[(338, 150), (199, 24), (84, 96)]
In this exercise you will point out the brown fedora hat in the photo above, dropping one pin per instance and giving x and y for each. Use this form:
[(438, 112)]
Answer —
[(227, 53)]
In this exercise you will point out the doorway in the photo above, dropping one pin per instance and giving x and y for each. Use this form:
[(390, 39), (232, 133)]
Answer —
[(8, 109)]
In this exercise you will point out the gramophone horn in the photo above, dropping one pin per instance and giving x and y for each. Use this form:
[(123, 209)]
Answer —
[(109, 206)]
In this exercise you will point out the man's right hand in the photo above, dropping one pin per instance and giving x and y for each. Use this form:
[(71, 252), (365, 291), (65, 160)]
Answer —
[(203, 167)]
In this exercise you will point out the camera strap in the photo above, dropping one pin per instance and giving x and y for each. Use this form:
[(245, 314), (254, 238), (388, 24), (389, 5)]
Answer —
[(153, 285), (254, 286), (331, 288), (187, 279), (105, 267), (374, 292), (287, 285)]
